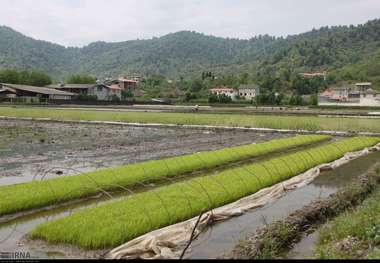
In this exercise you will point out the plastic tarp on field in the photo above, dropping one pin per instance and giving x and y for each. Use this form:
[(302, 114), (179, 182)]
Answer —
[(169, 242)]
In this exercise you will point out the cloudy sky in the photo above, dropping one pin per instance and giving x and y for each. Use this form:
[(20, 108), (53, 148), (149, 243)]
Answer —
[(79, 22)]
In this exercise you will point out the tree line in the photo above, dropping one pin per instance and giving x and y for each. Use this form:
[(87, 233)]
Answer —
[(25, 77), (40, 79)]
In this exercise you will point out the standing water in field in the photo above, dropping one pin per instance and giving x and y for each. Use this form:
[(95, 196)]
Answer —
[(32, 151), (221, 238)]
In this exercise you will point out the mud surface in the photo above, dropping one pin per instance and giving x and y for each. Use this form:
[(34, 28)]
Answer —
[(39, 150)]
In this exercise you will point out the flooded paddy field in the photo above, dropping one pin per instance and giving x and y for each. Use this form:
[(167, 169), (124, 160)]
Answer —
[(220, 239), (32, 150), (216, 242)]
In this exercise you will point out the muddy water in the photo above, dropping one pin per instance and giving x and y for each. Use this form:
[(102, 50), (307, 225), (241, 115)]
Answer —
[(217, 241), (221, 238), (305, 248), (13, 231), (13, 235), (40, 150)]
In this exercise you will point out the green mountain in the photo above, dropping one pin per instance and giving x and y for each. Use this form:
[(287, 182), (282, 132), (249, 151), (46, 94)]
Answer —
[(189, 53), (367, 69), (328, 48)]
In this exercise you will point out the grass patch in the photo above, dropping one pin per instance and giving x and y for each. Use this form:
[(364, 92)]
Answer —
[(38, 194), (312, 123), (354, 234), (112, 224)]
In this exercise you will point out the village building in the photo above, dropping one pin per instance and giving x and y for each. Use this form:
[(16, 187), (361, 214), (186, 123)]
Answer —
[(224, 91), (363, 86), (101, 91), (360, 94), (80, 89), (249, 92), (370, 97), (126, 84), (7, 92), (129, 84), (314, 75), (337, 94), (135, 76), (32, 93), (105, 92)]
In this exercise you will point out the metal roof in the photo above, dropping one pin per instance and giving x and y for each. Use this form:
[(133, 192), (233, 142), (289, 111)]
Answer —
[(364, 84), (72, 86), (249, 86), (5, 89), (40, 90), (127, 80)]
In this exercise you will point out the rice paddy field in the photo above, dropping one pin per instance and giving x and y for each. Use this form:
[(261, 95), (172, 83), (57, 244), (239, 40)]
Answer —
[(82, 188), (311, 123), (37, 194), (111, 225)]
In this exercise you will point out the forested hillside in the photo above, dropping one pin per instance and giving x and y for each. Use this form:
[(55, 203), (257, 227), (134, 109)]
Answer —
[(329, 47), (187, 54), (21, 52), (367, 69)]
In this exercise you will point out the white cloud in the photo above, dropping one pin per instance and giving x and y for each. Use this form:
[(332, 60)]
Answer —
[(79, 22)]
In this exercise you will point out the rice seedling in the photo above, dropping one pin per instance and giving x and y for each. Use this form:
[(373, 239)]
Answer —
[(311, 123), (114, 223), (38, 194)]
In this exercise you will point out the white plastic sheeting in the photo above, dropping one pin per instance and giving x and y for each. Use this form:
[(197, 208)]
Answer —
[(168, 242)]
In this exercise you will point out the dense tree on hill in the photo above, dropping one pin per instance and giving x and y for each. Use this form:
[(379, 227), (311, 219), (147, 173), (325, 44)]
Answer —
[(24, 77), (367, 69), (81, 79), (347, 52), (303, 86)]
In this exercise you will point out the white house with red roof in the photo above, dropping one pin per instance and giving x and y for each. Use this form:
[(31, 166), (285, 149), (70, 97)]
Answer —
[(226, 91)]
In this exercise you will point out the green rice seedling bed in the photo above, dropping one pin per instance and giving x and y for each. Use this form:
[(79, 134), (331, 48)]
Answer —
[(112, 224), (311, 123), (38, 194)]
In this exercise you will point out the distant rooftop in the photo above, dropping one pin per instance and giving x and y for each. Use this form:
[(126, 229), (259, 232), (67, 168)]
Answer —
[(222, 89), (71, 86), (114, 87), (249, 86), (314, 74), (364, 84), (40, 90), (127, 80)]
